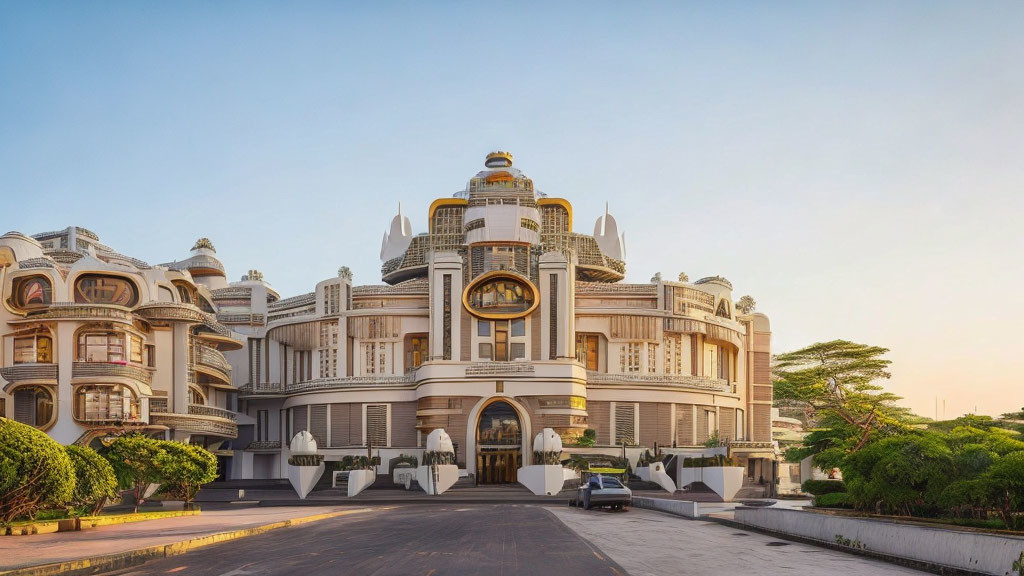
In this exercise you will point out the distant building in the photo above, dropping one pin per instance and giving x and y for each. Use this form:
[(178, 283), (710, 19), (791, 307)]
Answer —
[(497, 321)]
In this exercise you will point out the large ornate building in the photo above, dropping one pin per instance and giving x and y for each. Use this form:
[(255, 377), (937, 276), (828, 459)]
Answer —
[(496, 322)]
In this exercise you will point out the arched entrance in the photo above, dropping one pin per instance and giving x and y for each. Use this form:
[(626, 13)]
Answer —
[(499, 442)]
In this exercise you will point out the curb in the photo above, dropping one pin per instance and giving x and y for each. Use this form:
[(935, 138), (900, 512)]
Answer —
[(921, 565), (119, 560)]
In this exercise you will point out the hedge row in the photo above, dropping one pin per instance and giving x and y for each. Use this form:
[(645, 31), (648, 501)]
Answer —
[(37, 473), (820, 487)]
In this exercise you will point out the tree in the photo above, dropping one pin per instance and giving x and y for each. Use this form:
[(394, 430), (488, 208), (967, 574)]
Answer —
[(834, 381), (35, 472), (903, 474), (185, 468), (135, 461), (1006, 478), (95, 480)]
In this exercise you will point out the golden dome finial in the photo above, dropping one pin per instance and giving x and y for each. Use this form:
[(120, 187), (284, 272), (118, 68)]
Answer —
[(498, 159)]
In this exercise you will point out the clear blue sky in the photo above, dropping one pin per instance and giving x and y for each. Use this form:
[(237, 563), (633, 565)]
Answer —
[(856, 167)]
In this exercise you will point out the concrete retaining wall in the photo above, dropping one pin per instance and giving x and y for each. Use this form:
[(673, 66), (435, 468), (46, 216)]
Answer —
[(677, 507), (969, 551)]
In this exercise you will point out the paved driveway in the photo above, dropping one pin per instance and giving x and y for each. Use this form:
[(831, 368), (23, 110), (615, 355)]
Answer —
[(646, 543)]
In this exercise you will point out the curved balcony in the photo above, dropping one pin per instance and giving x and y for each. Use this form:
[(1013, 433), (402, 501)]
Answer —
[(30, 373), (211, 362), (276, 389), (111, 370), (74, 311), (671, 380), (204, 420), (171, 312), (216, 334), (246, 319)]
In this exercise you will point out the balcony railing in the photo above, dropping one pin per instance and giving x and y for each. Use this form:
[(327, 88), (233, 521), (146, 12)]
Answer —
[(158, 404), (212, 360), (24, 372), (694, 382), (250, 319), (74, 311), (108, 369), (171, 312), (330, 384), (196, 424), (203, 410), (499, 368)]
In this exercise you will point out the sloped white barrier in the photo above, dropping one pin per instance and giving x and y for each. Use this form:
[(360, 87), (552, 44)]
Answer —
[(359, 480), (304, 478), (656, 473), (447, 475), (542, 479), (726, 481), (968, 551)]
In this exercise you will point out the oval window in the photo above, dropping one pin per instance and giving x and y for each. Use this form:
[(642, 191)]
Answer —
[(500, 295), (94, 289), (32, 292)]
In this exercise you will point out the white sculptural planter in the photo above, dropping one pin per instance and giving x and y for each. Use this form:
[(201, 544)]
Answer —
[(359, 480), (656, 473), (726, 481), (435, 478), (545, 479), (303, 477)]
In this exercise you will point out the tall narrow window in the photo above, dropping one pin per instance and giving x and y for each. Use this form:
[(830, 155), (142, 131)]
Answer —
[(625, 432), (553, 317), (377, 424), (652, 358), (501, 340), (262, 425), (586, 350), (446, 344), (629, 361)]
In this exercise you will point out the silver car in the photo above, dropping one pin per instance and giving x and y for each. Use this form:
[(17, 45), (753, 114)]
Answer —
[(603, 491)]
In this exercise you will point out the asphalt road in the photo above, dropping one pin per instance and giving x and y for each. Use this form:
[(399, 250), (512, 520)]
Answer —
[(496, 540)]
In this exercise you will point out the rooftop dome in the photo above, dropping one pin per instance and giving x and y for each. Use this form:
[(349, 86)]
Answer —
[(498, 159)]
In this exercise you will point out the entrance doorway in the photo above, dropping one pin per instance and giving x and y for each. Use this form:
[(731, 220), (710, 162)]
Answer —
[(499, 444)]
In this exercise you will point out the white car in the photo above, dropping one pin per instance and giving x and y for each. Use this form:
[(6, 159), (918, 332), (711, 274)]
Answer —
[(603, 491)]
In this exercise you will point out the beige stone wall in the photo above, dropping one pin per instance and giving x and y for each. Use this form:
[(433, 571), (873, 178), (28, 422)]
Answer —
[(403, 424), (684, 425), (600, 421), (655, 423)]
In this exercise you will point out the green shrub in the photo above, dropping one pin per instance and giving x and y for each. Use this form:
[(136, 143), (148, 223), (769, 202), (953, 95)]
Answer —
[(833, 500), (819, 487), (185, 468), (95, 481), (35, 472), (134, 458), (708, 462), (588, 439)]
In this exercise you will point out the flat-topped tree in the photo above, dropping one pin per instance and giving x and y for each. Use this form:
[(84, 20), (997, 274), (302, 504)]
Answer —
[(836, 383)]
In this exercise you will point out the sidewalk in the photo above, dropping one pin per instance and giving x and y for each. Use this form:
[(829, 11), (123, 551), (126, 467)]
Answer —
[(22, 551)]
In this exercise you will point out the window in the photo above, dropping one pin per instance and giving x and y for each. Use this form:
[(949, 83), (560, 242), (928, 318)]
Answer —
[(674, 354), (652, 358), (32, 292), (483, 328), (101, 347), (328, 349), (332, 299), (486, 351), (95, 289), (518, 327), (375, 357), (255, 356), (377, 425), (262, 425), (495, 295), (106, 402), (712, 419), (724, 357), (33, 405), (195, 396), (625, 424), (501, 341), (31, 349), (629, 361), (151, 355), (586, 350), (416, 350), (517, 350), (184, 293), (136, 350)]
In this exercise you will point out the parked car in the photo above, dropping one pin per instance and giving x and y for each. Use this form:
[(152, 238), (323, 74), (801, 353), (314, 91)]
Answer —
[(603, 491)]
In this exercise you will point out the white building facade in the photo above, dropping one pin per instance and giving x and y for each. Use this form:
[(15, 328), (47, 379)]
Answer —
[(496, 322)]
